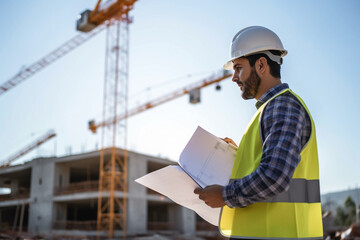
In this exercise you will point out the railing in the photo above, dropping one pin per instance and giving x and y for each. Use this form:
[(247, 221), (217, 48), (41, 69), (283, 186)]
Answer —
[(160, 226), (204, 226), (21, 194), (91, 225), (78, 225), (87, 186), (75, 225)]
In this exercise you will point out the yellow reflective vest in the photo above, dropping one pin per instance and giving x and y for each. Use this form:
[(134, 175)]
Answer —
[(294, 214)]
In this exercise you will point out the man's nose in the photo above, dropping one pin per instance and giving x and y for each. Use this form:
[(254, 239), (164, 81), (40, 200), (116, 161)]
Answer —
[(234, 78)]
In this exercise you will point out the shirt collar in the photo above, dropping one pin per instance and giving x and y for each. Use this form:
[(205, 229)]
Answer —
[(270, 93)]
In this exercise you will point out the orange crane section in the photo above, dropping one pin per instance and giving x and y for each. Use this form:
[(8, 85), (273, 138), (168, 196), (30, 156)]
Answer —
[(111, 9), (50, 134), (215, 78)]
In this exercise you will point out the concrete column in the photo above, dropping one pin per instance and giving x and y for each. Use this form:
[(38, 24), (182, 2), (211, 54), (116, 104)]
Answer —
[(41, 194), (62, 175), (60, 213), (137, 203), (14, 186), (183, 218), (189, 220)]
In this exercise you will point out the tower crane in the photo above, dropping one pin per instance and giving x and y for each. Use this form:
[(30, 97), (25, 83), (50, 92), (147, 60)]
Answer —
[(50, 134), (192, 89), (113, 16), (112, 211)]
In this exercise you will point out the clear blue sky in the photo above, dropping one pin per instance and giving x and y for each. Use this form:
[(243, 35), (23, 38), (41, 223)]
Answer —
[(172, 44)]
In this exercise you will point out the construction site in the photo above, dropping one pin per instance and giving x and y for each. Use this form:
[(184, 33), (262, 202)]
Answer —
[(95, 94), (58, 198), (93, 194)]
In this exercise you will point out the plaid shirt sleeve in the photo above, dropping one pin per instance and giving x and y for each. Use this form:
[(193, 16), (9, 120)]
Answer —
[(283, 123)]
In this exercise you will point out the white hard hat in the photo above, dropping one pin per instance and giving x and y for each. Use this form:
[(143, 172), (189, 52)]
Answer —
[(254, 40)]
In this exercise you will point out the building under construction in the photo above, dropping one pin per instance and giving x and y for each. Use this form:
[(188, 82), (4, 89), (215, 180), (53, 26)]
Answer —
[(94, 194), (58, 196)]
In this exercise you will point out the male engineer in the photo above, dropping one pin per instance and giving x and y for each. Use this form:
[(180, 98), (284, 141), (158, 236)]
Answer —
[(273, 192)]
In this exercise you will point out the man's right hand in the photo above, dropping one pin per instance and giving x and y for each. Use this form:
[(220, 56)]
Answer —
[(229, 140)]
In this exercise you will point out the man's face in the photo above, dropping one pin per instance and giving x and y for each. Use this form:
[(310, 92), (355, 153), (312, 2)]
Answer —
[(246, 78)]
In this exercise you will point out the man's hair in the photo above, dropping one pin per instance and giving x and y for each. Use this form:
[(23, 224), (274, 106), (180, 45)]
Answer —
[(274, 66)]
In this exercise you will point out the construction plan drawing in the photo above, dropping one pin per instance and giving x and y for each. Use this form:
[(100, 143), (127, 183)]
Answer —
[(205, 160)]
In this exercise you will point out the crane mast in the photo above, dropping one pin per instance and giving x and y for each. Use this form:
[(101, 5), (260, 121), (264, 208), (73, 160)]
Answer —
[(112, 210)]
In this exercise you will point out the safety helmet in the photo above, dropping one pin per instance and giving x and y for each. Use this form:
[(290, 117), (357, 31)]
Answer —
[(254, 40)]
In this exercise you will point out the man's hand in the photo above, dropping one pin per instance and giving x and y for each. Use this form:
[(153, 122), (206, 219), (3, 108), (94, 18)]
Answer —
[(211, 195)]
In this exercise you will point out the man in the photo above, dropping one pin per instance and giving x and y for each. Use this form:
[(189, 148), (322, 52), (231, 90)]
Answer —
[(273, 191)]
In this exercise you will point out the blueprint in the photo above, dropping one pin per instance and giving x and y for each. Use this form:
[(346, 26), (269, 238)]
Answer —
[(174, 183), (206, 160)]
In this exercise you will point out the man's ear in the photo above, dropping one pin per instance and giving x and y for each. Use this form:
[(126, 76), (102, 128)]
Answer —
[(261, 65)]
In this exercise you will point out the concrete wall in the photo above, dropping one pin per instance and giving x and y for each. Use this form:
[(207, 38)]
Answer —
[(60, 213), (184, 219), (62, 175), (41, 194), (137, 203), (15, 186)]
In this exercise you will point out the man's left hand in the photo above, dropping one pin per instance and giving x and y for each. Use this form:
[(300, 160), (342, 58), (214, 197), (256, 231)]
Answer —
[(211, 195)]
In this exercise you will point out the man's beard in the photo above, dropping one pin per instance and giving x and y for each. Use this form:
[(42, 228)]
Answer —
[(251, 85)]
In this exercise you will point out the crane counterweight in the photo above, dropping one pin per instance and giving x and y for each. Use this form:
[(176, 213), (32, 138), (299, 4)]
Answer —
[(83, 24)]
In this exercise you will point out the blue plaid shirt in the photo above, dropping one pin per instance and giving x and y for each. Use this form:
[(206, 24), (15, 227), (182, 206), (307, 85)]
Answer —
[(286, 128)]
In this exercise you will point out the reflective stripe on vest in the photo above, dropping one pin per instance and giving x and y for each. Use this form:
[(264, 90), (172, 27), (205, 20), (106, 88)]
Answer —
[(300, 191), (293, 214)]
